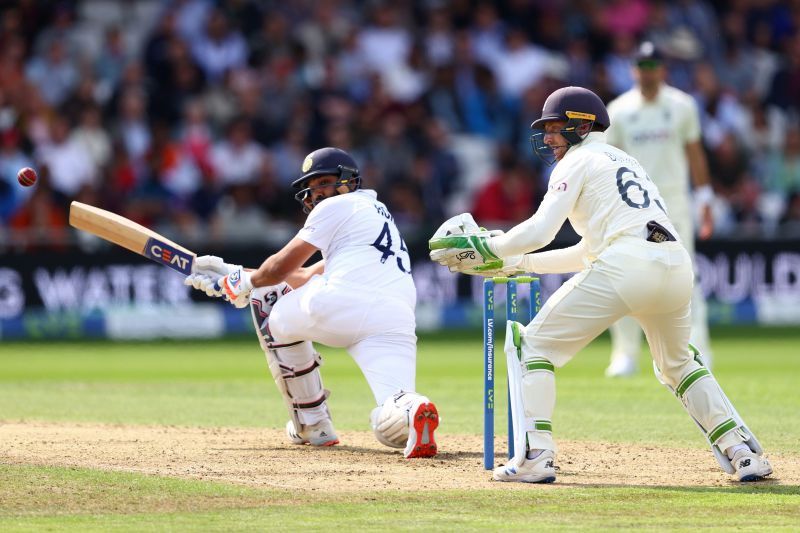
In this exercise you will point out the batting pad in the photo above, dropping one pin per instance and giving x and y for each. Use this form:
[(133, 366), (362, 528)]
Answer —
[(513, 351), (694, 392), (532, 390)]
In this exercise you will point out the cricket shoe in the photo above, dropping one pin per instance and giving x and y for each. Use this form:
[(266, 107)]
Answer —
[(423, 422), (622, 367), (750, 466), (539, 470), (319, 434)]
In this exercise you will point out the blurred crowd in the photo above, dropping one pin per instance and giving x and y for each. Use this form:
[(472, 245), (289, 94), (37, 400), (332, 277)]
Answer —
[(194, 116)]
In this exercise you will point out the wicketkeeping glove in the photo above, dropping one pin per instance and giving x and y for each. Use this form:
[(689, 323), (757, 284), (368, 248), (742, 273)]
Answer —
[(463, 251), (507, 266), (237, 287)]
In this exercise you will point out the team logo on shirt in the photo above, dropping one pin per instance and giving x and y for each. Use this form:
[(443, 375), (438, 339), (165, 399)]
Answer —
[(561, 187)]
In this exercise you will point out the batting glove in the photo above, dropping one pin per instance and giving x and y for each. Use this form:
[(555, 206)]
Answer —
[(213, 266), (237, 287), (206, 284)]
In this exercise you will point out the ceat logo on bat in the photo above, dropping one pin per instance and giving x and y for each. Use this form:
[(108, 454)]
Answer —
[(169, 256)]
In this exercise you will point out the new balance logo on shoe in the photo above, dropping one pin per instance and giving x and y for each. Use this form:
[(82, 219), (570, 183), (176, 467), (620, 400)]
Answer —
[(549, 464), (744, 463)]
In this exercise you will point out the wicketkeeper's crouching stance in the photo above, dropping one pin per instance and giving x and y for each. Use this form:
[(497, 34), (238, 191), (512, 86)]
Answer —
[(360, 297), (629, 262)]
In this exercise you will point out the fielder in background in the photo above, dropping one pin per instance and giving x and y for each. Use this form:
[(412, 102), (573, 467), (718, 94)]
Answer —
[(360, 297), (659, 125), (629, 262)]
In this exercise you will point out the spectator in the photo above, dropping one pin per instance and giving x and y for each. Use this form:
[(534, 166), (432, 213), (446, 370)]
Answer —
[(239, 219), (12, 158), (68, 161), (520, 65), (302, 73), (618, 63), (238, 159), (219, 49), (385, 43), (41, 223), (625, 17), (790, 219), (783, 168), (92, 136), (508, 197), (132, 127), (288, 154), (720, 111), (109, 64), (54, 74)]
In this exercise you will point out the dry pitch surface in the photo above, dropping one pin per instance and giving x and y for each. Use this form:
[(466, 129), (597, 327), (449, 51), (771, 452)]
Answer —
[(264, 458)]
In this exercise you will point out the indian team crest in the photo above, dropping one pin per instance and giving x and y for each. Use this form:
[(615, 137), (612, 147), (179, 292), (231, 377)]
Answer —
[(307, 163)]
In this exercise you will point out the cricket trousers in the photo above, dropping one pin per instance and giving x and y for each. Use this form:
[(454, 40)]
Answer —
[(377, 330)]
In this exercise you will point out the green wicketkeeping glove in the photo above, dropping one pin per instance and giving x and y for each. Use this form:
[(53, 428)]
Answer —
[(507, 266), (462, 251)]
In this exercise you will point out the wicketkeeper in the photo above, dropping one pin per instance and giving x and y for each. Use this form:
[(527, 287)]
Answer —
[(630, 261), (360, 297)]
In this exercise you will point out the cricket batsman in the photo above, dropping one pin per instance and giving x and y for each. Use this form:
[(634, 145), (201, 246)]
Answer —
[(360, 297)]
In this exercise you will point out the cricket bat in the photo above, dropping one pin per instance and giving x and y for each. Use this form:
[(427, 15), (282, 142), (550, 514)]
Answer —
[(130, 235)]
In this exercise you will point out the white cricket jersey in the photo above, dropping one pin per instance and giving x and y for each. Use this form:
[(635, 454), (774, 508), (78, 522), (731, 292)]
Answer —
[(604, 192), (361, 245), (656, 133)]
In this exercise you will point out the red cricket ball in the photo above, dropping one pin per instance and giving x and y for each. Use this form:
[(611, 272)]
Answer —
[(26, 177)]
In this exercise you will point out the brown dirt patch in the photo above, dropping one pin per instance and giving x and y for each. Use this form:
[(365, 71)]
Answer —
[(264, 458)]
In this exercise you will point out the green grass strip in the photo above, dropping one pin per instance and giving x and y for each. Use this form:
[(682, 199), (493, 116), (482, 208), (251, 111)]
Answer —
[(44, 499)]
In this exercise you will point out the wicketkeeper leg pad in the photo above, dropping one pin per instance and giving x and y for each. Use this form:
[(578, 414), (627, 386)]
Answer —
[(711, 410), (532, 386), (294, 366)]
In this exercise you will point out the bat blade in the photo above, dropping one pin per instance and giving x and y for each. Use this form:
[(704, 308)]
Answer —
[(128, 234)]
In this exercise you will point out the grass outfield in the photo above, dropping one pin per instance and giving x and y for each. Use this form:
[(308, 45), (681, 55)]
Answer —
[(225, 383)]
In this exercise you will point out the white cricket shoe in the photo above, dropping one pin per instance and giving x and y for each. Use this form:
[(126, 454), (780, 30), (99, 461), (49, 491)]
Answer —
[(750, 466), (423, 421), (319, 434), (622, 367), (539, 470)]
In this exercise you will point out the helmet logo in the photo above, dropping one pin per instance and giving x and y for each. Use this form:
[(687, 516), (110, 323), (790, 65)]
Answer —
[(307, 164), (578, 114)]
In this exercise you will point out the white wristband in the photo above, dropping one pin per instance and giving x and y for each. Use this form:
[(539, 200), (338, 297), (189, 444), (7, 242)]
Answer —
[(704, 195)]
